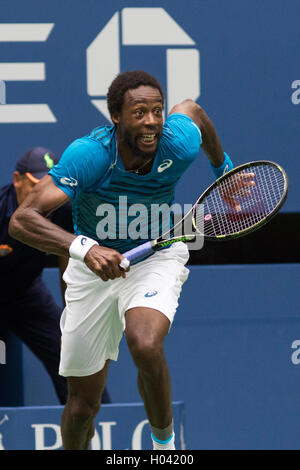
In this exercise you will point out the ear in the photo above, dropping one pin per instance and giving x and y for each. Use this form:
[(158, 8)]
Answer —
[(17, 177), (115, 118)]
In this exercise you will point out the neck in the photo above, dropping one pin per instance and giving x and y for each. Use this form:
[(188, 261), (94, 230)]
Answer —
[(131, 160)]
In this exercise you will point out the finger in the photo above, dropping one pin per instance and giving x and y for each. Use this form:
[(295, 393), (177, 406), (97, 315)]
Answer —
[(236, 206), (233, 203), (248, 179), (112, 271), (100, 273), (116, 270), (247, 175), (106, 270), (248, 183), (243, 193), (123, 274)]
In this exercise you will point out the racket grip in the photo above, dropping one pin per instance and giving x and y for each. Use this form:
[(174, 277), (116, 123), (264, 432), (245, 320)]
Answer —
[(138, 252)]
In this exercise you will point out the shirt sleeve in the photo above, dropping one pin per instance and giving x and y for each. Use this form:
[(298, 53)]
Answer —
[(81, 165), (181, 136)]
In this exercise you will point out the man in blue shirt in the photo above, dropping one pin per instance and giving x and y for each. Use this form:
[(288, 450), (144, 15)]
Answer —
[(139, 158)]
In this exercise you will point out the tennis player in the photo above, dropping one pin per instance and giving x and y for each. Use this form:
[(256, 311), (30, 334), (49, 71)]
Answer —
[(142, 158)]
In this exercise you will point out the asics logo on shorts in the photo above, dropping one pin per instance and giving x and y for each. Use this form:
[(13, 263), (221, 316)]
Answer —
[(166, 163), (151, 293), (69, 181)]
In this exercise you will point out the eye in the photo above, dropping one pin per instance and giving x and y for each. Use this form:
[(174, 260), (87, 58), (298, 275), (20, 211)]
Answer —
[(157, 111), (139, 112)]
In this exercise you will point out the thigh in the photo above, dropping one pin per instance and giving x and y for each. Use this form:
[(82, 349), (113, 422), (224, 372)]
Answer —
[(155, 284), (90, 324), (90, 388), (146, 323), (145, 332)]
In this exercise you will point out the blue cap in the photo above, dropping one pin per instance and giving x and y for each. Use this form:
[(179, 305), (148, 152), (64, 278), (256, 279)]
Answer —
[(36, 163)]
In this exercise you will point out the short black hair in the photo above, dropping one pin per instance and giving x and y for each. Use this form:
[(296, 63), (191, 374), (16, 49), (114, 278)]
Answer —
[(128, 81)]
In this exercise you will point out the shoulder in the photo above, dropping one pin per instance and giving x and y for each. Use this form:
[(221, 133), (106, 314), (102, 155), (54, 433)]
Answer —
[(95, 145), (182, 122), (181, 135), (85, 161), (6, 190)]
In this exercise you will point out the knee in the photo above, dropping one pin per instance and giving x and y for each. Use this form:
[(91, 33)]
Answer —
[(145, 350), (81, 411)]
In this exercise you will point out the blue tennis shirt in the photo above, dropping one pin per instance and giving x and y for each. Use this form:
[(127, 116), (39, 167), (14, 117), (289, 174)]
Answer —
[(111, 205)]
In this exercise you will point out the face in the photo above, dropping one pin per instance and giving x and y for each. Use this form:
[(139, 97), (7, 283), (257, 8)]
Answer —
[(23, 186), (140, 122)]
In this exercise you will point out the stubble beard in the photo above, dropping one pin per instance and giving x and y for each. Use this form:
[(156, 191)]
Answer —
[(132, 144)]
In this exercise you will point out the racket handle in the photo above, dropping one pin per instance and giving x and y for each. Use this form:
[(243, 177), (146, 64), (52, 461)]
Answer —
[(138, 252)]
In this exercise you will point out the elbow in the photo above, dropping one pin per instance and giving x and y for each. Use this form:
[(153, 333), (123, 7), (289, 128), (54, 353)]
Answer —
[(193, 105), (12, 227), (15, 225)]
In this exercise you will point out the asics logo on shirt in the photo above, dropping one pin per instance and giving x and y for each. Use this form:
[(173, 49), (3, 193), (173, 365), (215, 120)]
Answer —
[(166, 163), (69, 181)]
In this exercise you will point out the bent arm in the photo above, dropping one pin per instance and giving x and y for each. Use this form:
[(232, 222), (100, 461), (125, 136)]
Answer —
[(30, 226), (29, 223), (211, 143)]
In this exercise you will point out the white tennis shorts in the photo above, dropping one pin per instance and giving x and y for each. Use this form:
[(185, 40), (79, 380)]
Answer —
[(93, 320)]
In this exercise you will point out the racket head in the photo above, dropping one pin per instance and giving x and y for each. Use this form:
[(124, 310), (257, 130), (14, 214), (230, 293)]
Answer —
[(217, 220)]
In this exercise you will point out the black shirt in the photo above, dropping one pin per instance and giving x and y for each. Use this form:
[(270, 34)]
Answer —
[(21, 265)]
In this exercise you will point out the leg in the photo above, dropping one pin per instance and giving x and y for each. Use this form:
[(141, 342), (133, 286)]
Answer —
[(34, 318), (84, 400), (145, 331)]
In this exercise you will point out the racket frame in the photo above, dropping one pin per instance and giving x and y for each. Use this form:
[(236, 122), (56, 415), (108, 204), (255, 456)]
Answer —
[(260, 223)]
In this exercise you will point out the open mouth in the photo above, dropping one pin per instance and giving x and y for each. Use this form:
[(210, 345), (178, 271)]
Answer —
[(148, 138)]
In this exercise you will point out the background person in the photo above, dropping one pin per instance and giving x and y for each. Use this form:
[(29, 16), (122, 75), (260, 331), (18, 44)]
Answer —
[(27, 307)]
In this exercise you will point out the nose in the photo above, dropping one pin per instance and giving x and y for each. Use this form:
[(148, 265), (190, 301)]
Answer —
[(151, 119)]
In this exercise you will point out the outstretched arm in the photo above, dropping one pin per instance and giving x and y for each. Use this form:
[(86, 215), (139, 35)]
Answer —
[(220, 161)]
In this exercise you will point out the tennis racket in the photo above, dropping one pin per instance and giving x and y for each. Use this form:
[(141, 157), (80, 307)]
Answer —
[(236, 204)]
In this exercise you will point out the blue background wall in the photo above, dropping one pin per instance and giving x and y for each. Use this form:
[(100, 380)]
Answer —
[(248, 62), (233, 358), (230, 353)]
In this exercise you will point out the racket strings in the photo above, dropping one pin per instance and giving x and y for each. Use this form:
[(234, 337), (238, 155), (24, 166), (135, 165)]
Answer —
[(263, 198)]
